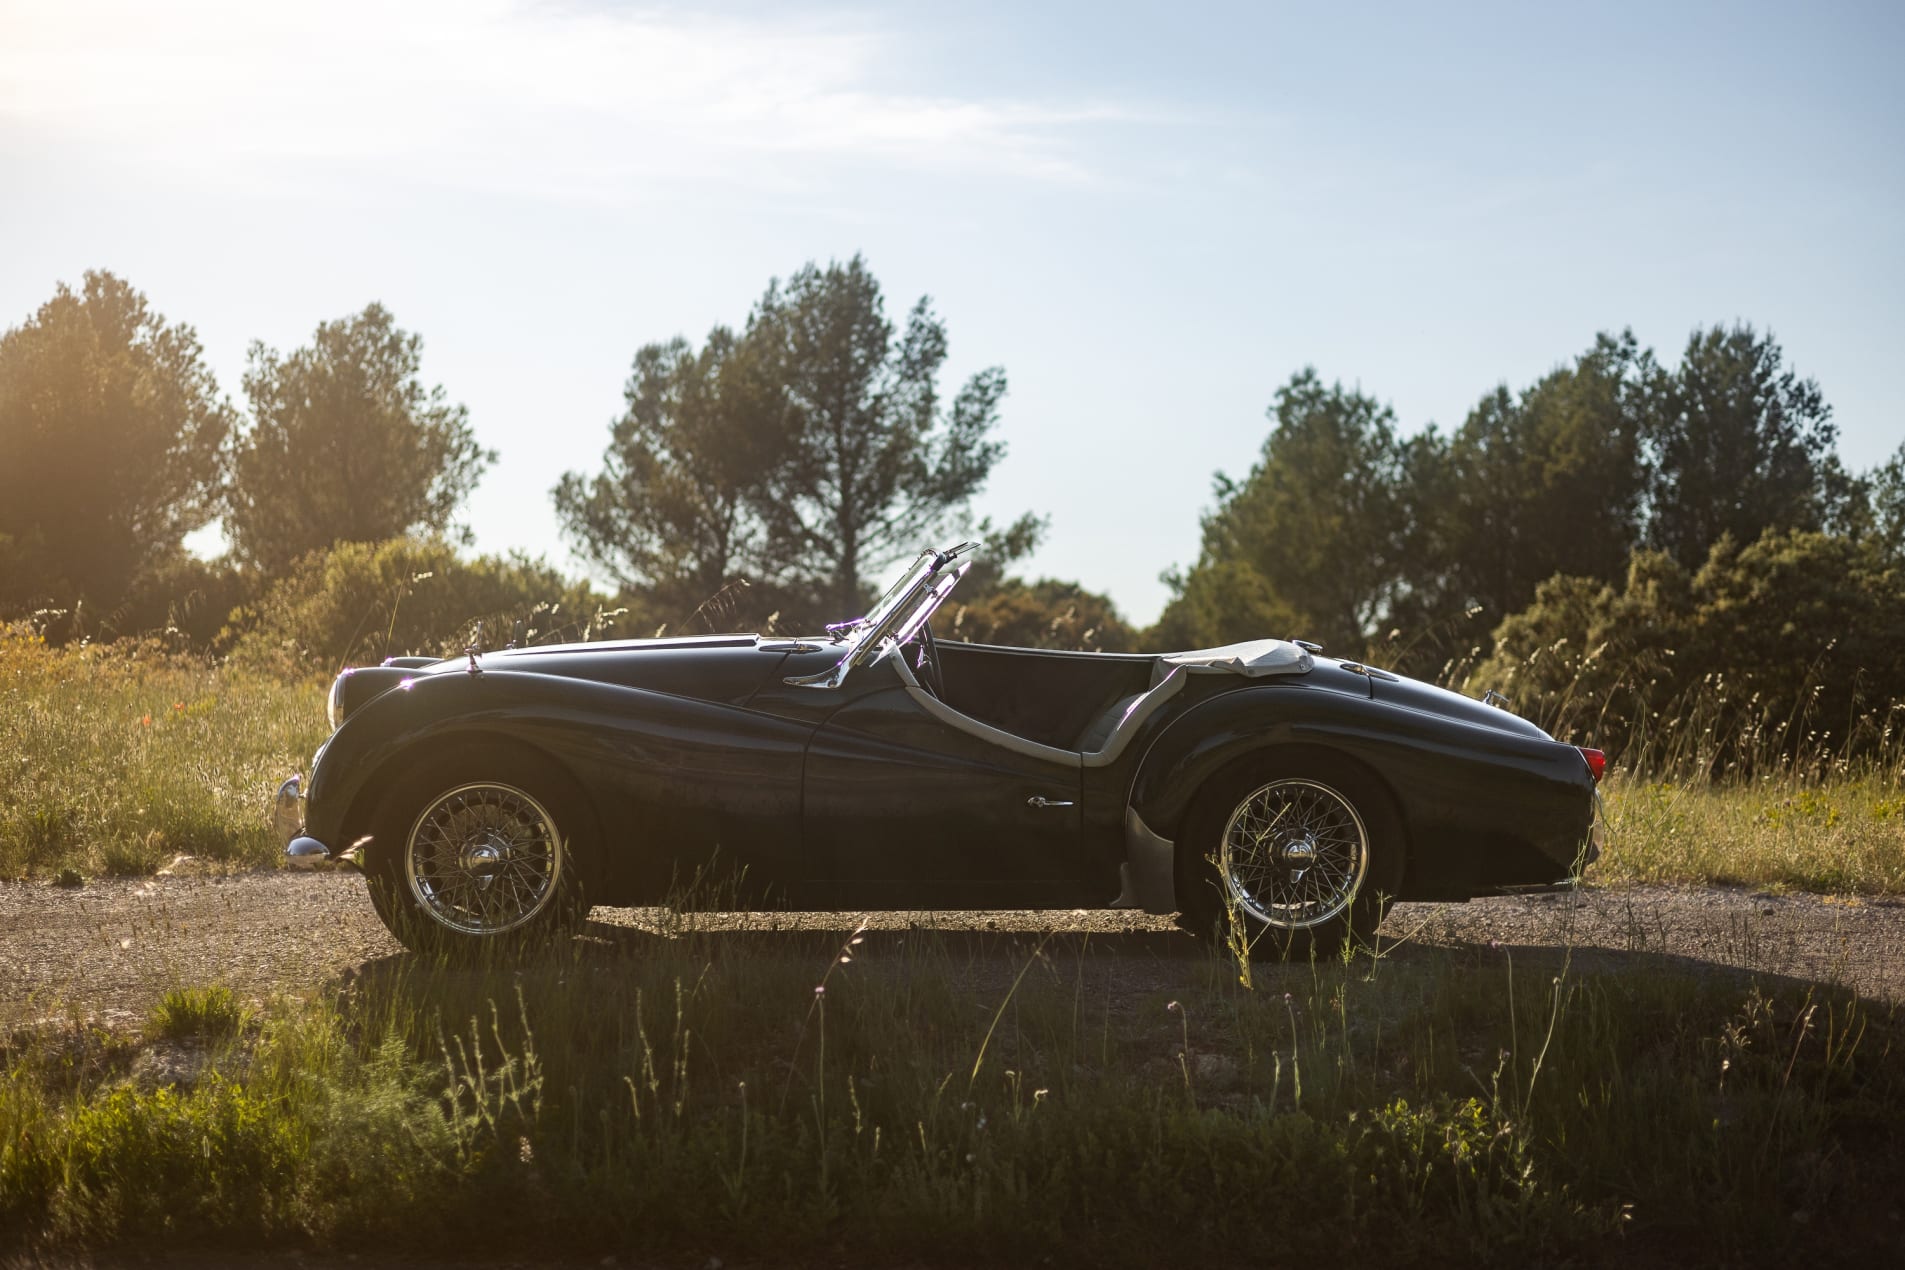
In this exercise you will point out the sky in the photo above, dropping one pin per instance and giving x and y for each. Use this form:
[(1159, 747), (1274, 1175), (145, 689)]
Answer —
[(1150, 215)]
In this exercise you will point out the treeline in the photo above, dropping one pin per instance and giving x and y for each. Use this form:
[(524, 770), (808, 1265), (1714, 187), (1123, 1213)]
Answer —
[(1613, 539), (1619, 547), (763, 479)]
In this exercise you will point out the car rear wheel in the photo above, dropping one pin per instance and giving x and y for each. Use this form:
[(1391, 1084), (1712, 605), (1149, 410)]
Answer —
[(475, 854), (1290, 855)]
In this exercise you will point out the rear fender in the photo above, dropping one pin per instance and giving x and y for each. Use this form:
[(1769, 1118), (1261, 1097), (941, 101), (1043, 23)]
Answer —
[(1446, 775)]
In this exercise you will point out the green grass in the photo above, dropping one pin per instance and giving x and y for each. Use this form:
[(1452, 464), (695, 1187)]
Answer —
[(785, 1097), (1836, 834), (210, 1013), (114, 759)]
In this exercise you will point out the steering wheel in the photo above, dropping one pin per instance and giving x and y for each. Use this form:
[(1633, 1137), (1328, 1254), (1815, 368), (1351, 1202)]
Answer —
[(926, 665)]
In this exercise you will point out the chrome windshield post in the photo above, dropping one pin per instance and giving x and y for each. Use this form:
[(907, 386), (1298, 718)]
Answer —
[(896, 618)]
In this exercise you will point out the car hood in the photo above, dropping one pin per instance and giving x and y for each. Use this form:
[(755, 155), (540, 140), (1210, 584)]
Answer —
[(712, 668)]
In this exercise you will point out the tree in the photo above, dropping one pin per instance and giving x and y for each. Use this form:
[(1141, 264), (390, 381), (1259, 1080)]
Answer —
[(1550, 480), (346, 445), (111, 446), (1740, 446), (1045, 614), (675, 509), (1312, 536), (1884, 490), (874, 466)]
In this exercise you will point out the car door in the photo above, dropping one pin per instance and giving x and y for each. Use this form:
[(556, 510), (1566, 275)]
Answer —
[(907, 807)]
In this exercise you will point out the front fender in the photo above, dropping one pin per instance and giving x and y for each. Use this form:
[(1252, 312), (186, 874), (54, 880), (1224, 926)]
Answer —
[(676, 773)]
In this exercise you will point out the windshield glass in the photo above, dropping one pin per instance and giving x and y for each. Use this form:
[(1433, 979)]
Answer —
[(899, 615), (897, 593), (907, 607)]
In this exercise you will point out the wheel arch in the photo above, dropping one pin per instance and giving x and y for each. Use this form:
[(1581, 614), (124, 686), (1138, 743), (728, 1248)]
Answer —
[(1305, 756), (473, 745), (1249, 725)]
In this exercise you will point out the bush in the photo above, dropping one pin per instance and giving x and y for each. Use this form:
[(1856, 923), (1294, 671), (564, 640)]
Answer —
[(1043, 614), (1794, 645), (362, 602)]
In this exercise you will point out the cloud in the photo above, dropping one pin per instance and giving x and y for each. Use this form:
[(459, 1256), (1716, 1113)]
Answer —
[(498, 95)]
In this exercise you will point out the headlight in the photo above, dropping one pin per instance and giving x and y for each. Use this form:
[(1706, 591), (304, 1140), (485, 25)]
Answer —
[(357, 686)]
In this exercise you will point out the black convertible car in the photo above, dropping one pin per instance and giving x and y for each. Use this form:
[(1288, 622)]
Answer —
[(499, 795)]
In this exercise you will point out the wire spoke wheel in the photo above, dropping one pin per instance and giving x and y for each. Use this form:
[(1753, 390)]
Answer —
[(483, 859), (1294, 854)]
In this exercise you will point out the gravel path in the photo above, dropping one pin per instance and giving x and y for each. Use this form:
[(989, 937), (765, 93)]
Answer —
[(108, 950)]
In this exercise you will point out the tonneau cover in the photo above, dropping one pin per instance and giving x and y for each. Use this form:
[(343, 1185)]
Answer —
[(1251, 658)]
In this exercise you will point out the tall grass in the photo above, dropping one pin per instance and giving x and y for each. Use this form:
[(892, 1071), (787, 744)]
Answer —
[(116, 758), (788, 1096)]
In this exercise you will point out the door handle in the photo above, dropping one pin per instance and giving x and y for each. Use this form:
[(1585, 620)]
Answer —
[(1040, 801)]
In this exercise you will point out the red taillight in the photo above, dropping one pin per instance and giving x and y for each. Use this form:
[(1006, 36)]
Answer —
[(1596, 761)]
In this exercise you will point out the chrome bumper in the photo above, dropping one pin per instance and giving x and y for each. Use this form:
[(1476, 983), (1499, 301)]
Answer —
[(287, 821)]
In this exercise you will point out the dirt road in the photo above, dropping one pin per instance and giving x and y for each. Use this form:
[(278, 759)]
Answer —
[(108, 950)]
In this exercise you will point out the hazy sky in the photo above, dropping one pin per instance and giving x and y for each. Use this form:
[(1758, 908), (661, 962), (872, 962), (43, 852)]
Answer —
[(1151, 215)]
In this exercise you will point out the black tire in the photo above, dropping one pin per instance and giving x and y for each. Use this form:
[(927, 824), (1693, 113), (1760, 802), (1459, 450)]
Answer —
[(480, 851), (1315, 854)]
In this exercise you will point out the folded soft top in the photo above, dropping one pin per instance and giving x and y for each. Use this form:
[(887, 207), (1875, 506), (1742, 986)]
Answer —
[(1252, 658)]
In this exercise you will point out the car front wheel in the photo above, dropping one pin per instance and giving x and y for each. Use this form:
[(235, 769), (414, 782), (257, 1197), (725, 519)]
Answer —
[(474, 856)]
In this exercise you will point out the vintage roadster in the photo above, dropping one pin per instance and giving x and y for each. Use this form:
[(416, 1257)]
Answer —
[(1260, 787)]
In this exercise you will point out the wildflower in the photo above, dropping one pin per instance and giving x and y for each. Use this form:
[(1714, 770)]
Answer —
[(1174, 1008)]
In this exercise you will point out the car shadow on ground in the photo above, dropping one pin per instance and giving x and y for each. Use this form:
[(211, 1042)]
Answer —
[(1125, 964)]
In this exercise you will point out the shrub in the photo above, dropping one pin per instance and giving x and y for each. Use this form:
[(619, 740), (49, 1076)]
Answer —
[(1794, 645), (1043, 614), (362, 602)]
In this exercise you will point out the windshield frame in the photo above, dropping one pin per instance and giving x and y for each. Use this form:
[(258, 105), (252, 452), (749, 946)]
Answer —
[(906, 606)]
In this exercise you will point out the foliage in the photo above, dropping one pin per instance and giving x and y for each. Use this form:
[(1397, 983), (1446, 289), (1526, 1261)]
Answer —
[(1550, 480), (1880, 511), (361, 602), (345, 444), (675, 509), (1740, 446), (803, 454), (1312, 535), (1789, 648), (1348, 534), (111, 439), (212, 1013), (1042, 614), (874, 466), (115, 758)]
